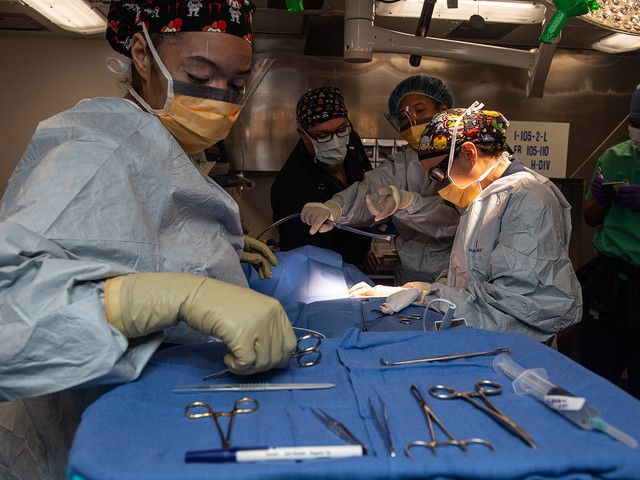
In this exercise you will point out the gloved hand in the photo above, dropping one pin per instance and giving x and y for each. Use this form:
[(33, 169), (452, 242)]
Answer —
[(363, 289), (391, 200), (629, 196), (254, 326), (598, 192), (315, 214), (402, 299), (259, 256)]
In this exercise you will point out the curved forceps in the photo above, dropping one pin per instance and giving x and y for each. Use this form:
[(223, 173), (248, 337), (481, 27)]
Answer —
[(483, 389), (242, 405), (310, 351), (431, 418)]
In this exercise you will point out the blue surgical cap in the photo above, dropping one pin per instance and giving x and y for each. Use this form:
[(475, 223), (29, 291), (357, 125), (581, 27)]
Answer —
[(634, 111), (431, 87)]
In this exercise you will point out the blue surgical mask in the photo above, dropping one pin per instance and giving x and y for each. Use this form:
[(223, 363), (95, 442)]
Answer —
[(331, 152)]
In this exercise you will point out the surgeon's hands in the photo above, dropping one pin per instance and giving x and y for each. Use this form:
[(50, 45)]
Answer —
[(629, 196), (411, 292), (598, 192), (254, 326), (259, 256), (315, 214), (363, 289), (391, 200)]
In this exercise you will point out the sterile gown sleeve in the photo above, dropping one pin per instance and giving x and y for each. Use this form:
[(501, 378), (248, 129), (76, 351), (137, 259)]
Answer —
[(510, 268), (426, 228), (102, 190)]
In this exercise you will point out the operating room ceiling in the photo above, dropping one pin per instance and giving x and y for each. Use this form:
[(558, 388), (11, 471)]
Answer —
[(321, 25)]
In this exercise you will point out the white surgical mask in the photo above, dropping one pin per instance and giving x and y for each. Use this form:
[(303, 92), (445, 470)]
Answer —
[(634, 135), (331, 152)]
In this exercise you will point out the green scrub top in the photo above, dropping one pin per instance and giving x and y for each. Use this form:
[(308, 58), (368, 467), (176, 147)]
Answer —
[(619, 235)]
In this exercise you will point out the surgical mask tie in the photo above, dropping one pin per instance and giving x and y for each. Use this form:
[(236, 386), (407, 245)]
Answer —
[(332, 152), (634, 135)]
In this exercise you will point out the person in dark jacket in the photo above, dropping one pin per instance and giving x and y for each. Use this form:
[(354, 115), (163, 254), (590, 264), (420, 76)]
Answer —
[(327, 159)]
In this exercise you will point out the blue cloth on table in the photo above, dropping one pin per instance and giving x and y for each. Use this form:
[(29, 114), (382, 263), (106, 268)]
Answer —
[(564, 450), (139, 431), (307, 274), (333, 318)]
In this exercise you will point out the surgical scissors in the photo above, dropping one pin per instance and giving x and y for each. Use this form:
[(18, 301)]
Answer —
[(307, 347), (484, 388), (242, 405), (431, 418)]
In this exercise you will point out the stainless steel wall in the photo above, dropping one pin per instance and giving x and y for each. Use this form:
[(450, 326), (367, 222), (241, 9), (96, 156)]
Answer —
[(589, 90)]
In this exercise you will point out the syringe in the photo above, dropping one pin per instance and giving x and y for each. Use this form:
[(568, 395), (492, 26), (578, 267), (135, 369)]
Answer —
[(576, 409)]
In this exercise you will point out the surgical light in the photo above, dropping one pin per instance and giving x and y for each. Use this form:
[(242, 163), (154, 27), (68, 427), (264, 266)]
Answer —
[(73, 15), (617, 15), (495, 11), (617, 43)]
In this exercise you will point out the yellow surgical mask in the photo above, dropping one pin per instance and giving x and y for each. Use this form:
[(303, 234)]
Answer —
[(196, 116), (198, 123), (460, 196), (412, 135)]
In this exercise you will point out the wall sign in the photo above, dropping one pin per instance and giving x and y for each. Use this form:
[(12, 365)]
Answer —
[(541, 146)]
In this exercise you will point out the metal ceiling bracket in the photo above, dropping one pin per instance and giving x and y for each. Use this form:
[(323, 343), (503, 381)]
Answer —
[(362, 38)]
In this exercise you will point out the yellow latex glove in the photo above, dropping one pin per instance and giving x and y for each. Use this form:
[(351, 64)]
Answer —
[(391, 200), (254, 326), (259, 256), (315, 214)]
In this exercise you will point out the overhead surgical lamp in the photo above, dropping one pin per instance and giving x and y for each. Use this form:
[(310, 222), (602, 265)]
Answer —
[(72, 15), (618, 15)]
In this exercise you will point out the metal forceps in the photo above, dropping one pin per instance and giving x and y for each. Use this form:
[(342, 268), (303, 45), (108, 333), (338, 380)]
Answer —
[(338, 428), (483, 389), (202, 410), (433, 444), (306, 354)]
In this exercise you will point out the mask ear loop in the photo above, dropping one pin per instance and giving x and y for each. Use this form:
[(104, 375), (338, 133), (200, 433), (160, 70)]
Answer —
[(448, 314), (164, 71)]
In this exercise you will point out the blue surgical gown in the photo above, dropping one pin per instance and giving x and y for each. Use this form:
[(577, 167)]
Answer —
[(102, 190)]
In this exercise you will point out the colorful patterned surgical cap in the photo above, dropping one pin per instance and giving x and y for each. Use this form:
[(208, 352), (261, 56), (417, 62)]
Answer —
[(319, 105), (481, 126), (166, 16)]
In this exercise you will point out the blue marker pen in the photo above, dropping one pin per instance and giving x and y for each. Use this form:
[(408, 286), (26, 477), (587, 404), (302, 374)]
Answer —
[(255, 454)]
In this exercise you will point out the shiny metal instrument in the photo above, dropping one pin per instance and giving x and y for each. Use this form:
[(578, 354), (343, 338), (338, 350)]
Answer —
[(197, 410), (483, 389), (434, 443), (338, 428), (383, 426), (306, 354), (440, 358)]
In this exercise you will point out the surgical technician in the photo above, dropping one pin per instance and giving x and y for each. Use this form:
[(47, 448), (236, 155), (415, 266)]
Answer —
[(610, 328), (328, 157), (399, 188), (109, 233), (510, 268)]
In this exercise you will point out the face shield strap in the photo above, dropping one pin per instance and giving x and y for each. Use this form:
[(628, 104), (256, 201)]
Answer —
[(454, 138)]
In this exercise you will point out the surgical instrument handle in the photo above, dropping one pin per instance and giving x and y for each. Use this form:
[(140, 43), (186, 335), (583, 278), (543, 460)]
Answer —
[(575, 409), (499, 350), (340, 226)]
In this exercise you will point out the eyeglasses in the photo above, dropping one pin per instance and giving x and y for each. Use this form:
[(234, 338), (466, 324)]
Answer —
[(324, 137)]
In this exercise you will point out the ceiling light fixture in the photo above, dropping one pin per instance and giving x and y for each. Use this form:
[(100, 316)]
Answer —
[(495, 11), (73, 15), (617, 15), (617, 43)]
